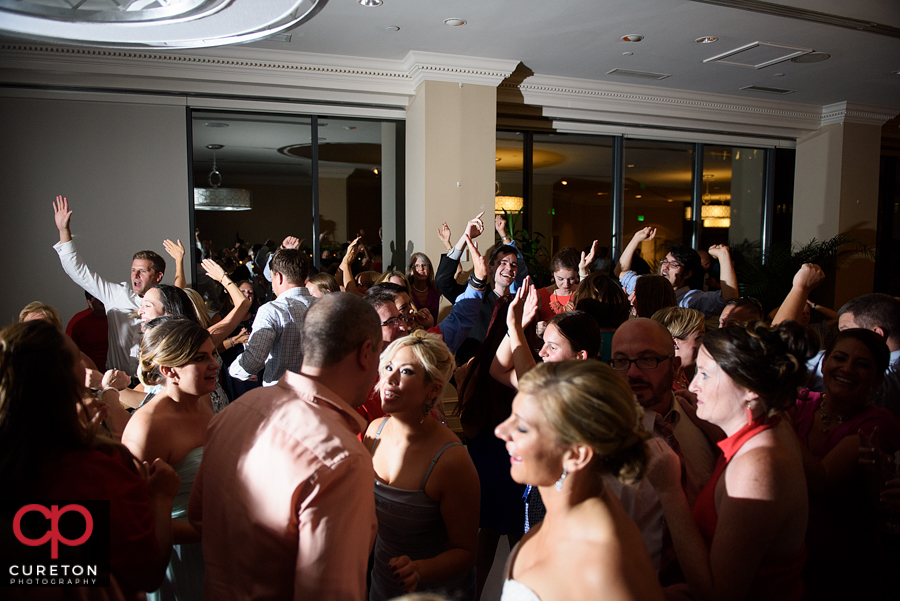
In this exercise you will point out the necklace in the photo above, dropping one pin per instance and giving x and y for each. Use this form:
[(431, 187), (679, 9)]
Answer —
[(826, 419), (421, 290)]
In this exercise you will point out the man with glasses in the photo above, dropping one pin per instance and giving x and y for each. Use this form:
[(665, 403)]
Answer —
[(643, 353), (684, 270)]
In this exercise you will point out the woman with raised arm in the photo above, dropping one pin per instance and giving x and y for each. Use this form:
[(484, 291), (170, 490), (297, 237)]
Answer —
[(168, 300), (49, 452), (744, 538), (426, 487), (179, 355), (572, 423)]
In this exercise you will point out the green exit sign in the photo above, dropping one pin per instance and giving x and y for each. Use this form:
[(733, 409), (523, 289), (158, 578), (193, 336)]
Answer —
[(640, 217)]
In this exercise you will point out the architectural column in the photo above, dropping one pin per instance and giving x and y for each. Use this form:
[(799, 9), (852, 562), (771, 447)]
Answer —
[(450, 147), (836, 190)]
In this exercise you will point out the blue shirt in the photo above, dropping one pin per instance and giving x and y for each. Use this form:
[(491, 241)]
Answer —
[(275, 338)]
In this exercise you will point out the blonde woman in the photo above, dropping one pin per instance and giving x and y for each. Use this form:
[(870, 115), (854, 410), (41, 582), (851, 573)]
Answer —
[(426, 487), (572, 423), (178, 354), (687, 327)]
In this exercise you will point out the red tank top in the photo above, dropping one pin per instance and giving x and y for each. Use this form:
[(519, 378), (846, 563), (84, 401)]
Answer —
[(775, 581)]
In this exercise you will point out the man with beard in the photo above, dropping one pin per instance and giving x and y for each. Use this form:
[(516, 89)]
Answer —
[(643, 353)]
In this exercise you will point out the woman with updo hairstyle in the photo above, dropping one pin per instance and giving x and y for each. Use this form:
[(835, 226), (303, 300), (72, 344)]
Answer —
[(651, 293), (426, 486), (179, 355), (572, 424), (744, 538), (846, 552), (48, 452)]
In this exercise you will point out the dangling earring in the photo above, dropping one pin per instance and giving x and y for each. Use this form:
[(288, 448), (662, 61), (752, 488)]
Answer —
[(559, 483), (749, 414)]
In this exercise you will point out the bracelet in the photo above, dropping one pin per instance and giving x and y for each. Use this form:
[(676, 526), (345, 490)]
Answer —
[(476, 282), (102, 392), (815, 306), (230, 284)]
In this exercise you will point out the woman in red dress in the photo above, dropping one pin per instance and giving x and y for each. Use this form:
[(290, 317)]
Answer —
[(744, 538)]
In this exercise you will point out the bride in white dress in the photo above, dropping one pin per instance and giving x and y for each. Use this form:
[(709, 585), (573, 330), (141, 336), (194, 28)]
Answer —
[(571, 423)]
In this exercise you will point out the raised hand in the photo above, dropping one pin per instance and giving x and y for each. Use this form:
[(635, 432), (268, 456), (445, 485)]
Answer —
[(475, 226), (444, 234), (500, 225), (175, 249), (291, 242), (808, 277), (647, 233), (517, 308), (352, 250), (479, 261), (62, 216), (584, 265), (213, 270), (532, 302), (719, 251)]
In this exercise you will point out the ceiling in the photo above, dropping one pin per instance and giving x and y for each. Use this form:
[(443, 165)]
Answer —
[(581, 38)]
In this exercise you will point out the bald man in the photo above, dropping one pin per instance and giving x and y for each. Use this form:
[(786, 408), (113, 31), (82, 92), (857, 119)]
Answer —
[(643, 353)]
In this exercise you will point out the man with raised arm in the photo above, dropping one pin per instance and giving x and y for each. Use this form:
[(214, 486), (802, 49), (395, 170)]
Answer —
[(684, 270), (121, 300), (283, 499), (507, 271)]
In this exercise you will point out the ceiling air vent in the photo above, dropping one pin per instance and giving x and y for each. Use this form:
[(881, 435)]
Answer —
[(758, 55), (638, 74), (767, 90)]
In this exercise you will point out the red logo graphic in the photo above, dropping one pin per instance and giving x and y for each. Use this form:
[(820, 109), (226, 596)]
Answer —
[(53, 514)]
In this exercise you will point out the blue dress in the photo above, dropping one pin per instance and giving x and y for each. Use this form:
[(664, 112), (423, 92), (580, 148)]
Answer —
[(184, 576)]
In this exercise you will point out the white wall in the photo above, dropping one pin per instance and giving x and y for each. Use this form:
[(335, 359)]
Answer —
[(123, 166)]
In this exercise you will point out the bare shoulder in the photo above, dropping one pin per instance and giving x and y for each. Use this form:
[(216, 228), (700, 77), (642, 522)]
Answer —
[(764, 468), (371, 431)]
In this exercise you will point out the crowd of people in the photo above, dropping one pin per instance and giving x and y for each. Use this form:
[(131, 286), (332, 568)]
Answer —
[(280, 431)]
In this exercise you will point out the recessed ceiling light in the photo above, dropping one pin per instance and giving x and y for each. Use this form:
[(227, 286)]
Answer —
[(627, 53), (668, 200), (454, 22), (564, 182), (637, 196), (349, 127), (632, 37), (371, 2), (497, 159), (393, 28), (215, 146), (812, 57), (375, 171), (632, 165), (216, 124), (707, 39)]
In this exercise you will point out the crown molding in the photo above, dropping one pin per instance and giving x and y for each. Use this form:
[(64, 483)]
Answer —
[(571, 99), (431, 66), (856, 112)]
